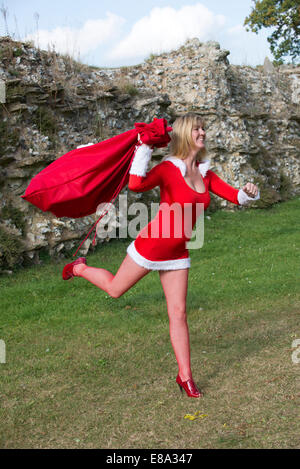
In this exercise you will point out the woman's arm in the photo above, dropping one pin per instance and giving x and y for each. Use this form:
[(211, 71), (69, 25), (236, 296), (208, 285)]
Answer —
[(139, 179), (227, 192)]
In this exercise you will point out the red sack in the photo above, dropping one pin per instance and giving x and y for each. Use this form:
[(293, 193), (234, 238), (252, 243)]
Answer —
[(77, 182)]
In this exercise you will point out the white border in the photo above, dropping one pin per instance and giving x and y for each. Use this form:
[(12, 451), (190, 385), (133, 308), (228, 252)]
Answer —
[(172, 264)]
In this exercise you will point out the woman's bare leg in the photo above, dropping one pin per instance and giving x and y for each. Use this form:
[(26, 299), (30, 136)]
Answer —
[(175, 283), (129, 274)]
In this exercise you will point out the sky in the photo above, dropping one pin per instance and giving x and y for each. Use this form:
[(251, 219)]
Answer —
[(114, 33)]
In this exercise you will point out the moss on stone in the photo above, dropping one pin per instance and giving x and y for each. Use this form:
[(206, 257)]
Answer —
[(8, 136), (18, 52), (15, 91), (268, 195), (45, 121), (126, 87), (152, 57), (286, 188), (10, 248), (9, 212)]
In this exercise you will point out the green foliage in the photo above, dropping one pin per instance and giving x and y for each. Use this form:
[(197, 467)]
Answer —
[(286, 188), (100, 130), (10, 248), (6, 52), (18, 52), (9, 212), (14, 72), (126, 87), (45, 120), (284, 16), (10, 48), (8, 136), (152, 57), (130, 89), (98, 127), (15, 92)]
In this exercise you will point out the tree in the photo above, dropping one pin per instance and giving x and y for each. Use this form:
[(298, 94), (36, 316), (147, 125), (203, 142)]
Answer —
[(284, 16)]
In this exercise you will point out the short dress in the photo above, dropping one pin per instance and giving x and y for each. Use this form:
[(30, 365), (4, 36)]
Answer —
[(161, 245)]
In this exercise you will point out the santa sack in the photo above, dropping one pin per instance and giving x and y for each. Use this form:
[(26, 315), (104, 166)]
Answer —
[(77, 182)]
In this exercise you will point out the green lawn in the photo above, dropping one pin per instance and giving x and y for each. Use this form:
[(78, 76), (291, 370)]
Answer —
[(84, 370)]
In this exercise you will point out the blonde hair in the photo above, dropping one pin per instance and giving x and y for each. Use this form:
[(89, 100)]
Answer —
[(181, 136)]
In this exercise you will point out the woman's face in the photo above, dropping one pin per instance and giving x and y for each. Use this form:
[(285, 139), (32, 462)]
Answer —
[(198, 136)]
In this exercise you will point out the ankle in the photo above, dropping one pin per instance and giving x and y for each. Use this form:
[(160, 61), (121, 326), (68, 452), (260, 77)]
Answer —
[(185, 376)]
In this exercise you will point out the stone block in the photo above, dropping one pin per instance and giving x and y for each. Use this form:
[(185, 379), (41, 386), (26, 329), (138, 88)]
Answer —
[(2, 92)]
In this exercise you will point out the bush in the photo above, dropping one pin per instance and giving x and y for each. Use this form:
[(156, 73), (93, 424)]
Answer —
[(126, 87), (8, 137), (9, 212), (10, 248), (45, 121)]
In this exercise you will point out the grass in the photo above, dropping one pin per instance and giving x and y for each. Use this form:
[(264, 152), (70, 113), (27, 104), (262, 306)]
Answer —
[(84, 370), (126, 87)]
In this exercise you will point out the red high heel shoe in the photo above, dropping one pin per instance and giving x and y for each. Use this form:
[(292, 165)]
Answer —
[(189, 386), (67, 272)]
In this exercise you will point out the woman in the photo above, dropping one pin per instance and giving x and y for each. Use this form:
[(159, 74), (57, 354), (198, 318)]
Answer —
[(185, 181)]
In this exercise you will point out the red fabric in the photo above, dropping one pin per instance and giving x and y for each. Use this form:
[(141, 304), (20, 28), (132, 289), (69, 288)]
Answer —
[(150, 243), (77, 182)]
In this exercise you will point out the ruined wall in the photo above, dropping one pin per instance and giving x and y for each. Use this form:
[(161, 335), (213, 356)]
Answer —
[(53, 104)]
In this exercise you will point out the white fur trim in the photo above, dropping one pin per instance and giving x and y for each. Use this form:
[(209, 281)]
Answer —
[(176, 162), (204, 167), (87, 145), (180, 164), (172, 264), (141, 160), (244, 199)]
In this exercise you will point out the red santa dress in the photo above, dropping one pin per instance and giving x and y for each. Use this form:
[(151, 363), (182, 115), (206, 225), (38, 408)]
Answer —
[(161, 245)]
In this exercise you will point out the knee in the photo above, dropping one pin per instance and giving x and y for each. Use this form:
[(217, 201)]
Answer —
[(114, 293), (177, 312)]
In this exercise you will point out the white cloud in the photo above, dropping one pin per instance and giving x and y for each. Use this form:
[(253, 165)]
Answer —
[(92, 34), (165, 29), (246, 47), (238, 29)]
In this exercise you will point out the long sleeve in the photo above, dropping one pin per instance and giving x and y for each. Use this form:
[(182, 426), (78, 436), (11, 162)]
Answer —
[(227, 192), (221, 188), (139, 179)]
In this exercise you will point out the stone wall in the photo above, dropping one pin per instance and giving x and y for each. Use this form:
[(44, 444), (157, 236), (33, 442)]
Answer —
[(54, 104)]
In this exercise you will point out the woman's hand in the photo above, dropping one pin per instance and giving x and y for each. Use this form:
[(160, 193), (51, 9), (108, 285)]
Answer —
[(141, 143), (250, 189)]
